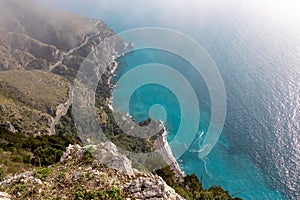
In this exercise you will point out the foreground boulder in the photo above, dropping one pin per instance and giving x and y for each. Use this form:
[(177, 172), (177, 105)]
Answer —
[(149, 186)]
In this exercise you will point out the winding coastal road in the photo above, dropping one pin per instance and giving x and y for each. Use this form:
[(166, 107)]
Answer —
[(85, 41)]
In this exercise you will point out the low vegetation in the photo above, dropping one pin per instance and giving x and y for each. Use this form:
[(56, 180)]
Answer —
[(35, 89), (191, 189), (78, 179), (29, 99), (19, 152), (109, 194)]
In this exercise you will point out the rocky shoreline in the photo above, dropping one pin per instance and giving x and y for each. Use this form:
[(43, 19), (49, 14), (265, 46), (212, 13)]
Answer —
[(161, 142)]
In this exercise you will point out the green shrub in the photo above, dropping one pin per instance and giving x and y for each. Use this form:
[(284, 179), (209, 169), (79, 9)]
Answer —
[(88, 153), (61, 176), (18, 152), (19, 188), (114, 193), (46, 156), (42, 173), (191, 188), (110, 194)]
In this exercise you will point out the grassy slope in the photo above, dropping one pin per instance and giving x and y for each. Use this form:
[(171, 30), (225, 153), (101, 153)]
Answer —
[(37, 89), (28, 99)]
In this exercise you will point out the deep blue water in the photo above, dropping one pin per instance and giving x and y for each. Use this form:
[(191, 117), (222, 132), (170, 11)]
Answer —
[(258, 154)]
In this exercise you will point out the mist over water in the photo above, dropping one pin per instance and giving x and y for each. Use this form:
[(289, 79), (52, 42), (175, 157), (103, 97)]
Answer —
[(258, 154)]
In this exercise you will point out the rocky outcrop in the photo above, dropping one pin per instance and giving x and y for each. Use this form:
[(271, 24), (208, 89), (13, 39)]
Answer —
[(26, 177), (80, 175), (144, 186), (72, 152), (148, 186), (104, 153), (8, 126)]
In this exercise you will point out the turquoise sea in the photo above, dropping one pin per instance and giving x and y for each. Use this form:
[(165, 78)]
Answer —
[(258, 56)]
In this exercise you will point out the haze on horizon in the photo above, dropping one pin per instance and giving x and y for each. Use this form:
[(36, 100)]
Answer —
[(178, 14)]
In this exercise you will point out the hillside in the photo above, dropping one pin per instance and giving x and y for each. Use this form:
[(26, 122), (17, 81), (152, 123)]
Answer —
[(44, 42), (36, 89), (36, 37), (29, 99)]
